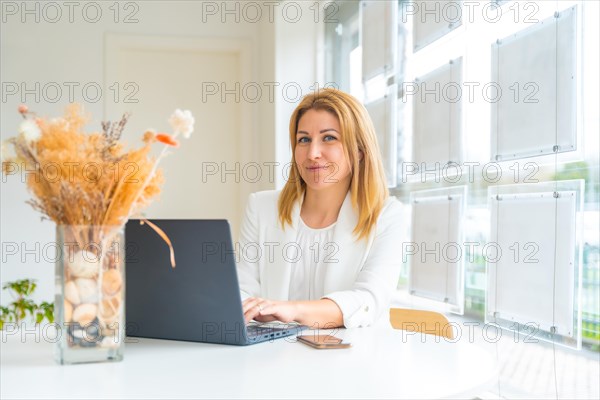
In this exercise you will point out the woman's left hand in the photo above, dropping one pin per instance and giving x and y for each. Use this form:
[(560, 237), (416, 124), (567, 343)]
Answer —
[(263, 310)]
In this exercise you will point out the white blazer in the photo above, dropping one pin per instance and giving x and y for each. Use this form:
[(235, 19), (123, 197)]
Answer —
[(361, 278)]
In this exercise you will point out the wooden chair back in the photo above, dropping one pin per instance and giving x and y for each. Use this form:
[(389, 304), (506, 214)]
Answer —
[(428, 322)]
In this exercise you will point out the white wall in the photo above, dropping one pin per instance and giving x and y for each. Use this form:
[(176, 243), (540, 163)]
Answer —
[(296, 47), (284, 51)]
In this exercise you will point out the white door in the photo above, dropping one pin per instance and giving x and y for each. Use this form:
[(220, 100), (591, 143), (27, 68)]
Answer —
[(163, 74)]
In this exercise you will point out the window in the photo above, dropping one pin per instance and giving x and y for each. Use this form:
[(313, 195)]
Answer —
[(455, 133)]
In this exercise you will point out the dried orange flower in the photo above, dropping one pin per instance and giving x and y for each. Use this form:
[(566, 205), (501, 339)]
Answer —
[(167, 139), (149, 136)]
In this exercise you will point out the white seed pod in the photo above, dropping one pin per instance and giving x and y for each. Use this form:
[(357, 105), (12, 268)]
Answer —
[(85, 313), (84, 264), (88, 290), (71, 293)]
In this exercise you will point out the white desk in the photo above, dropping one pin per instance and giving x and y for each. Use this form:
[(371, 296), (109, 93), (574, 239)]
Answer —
[(383, 363)]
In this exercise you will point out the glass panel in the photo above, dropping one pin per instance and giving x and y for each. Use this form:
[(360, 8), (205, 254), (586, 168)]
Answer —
[(534, 260), (431, 19), (384, 117), (436, 248), (379, 36), (533, 76)]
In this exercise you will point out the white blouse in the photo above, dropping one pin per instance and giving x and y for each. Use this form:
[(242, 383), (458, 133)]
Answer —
[(314, 251), (360, 276)]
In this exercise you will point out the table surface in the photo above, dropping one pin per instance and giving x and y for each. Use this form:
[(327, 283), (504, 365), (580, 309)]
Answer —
[(382, 363)]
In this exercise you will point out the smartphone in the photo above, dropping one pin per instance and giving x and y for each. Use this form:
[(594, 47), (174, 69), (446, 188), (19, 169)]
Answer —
[(323, 342)]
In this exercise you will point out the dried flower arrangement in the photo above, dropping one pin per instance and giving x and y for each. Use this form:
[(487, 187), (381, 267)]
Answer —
[(88, 179)]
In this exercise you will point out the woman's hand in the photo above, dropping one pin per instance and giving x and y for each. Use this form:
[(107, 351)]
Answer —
[(263, 310)]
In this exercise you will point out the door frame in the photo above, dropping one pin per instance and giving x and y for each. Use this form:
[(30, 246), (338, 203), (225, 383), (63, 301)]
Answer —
[(247, 147)]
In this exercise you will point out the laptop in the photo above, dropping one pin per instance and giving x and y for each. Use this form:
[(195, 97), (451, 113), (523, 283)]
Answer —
[(199, 300)]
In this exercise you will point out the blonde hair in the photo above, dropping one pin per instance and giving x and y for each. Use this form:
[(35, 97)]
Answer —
[(368, 188)]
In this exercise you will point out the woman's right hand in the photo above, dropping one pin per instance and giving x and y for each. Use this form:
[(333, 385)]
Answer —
[(263, 310)]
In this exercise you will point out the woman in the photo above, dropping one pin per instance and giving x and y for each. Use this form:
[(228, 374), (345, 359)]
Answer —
[(323, 251)]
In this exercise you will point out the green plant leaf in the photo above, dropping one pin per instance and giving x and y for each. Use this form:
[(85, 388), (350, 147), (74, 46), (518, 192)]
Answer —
[(18, 309), (50, 316), (48, 309)]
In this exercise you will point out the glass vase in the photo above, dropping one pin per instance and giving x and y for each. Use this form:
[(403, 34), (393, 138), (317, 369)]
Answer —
[(90, 293)]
